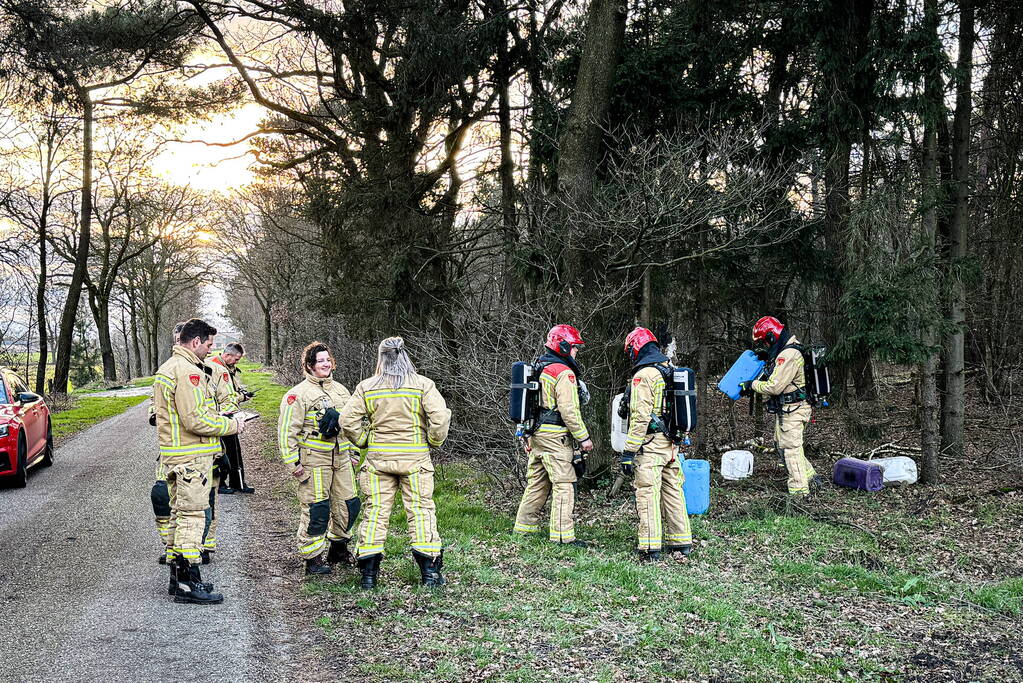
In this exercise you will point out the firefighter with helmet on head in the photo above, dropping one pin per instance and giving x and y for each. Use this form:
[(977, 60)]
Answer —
[(310, 440), (652, 456), (549, 470), (785, 389)]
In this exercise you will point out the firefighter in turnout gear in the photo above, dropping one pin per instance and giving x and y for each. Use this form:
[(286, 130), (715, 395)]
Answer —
[(397, 415), (311, 442), (651, 455), (233, 476), (227, 404), (159, 495), (549, 469), (786, 399), (189, 428)]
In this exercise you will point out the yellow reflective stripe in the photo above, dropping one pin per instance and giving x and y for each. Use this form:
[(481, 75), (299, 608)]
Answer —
[(312, 547), (318, 484), (526, 528), (417, 427), (283, 426), (552, 429), (398, 448), (374, 394), (371, 521), (197, 449), (417, 509)]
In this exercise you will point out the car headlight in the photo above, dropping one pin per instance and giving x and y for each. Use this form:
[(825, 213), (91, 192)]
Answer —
[(4, 430)]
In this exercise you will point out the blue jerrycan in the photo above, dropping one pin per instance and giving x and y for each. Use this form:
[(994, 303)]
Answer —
[(696, 486), (745, 369)]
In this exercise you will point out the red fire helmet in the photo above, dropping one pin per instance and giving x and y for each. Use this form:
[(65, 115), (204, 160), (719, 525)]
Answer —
[(636, 340), (767, 330), (562, 338)]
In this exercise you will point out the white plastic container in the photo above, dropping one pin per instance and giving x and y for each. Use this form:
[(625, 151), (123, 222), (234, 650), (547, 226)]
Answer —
[(619, 426), (736, 464), (897, 470)]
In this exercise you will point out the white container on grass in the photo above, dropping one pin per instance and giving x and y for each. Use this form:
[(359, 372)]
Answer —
[(897, 470), (736, 464)]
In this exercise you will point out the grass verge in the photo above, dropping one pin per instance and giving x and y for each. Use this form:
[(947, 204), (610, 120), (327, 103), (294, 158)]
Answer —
[(89, 410)]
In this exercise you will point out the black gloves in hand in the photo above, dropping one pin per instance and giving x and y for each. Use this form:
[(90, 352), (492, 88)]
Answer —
[(628, 461), (328, 425), (579, 464), (745, 388)]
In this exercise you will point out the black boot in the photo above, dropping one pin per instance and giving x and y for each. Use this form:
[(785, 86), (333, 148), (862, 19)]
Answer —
[(190, 586), (172, 587), (429, 569), (684, 549), (649, 555), (317, 565), (370, 566), (816, 484), (339, 553)]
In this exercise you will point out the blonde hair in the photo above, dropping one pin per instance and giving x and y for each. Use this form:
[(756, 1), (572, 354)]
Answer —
[(393, 363)]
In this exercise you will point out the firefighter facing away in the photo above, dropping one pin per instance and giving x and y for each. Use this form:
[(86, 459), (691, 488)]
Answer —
[(397, 415), (651, 455), (785, 389), (189, 428), (549, 469), (311, 442)]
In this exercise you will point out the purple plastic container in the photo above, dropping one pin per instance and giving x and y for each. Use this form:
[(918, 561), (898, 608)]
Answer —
[(858, 474)]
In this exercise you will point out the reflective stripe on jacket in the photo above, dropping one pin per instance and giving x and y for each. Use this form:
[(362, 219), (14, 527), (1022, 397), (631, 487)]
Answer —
[(301, 409)]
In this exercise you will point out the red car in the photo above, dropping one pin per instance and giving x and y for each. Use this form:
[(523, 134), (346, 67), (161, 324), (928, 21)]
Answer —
[(25, 435)]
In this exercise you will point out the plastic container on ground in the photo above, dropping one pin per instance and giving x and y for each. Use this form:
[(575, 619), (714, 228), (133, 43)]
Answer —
[(696, 486), (619, 426), (858, 474), (736, 465), (897, 470)]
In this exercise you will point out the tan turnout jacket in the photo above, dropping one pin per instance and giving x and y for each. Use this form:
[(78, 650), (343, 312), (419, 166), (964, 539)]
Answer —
[(188, 423), (559, 390), (396, 422), (301, 409), (223, 389), (788, 374), (646, 399)]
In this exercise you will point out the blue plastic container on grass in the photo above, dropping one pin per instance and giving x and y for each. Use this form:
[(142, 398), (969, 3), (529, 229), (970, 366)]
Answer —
[(696, 486)]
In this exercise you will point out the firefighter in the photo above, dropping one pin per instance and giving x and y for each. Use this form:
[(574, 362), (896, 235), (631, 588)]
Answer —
[(189, 430), (311, 442), (397, 415), (549, 469), (786, 399), (651, 456), (227, 404), (159, 495), (233, 477)]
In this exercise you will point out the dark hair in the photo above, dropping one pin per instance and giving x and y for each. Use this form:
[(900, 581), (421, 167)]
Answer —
[(196, 329), (310, 352), (177, 331), (235, 348)]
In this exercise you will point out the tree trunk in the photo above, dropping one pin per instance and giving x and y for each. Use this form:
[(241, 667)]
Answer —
[(133, 316), (953, 414), (836, 214), (268, 356), (44, 351), (581, 144), (933, 113), (62, 362), (509, 223)]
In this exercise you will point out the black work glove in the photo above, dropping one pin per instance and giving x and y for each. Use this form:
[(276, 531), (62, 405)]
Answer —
[(745, 388), (579, 464), (628, 461), (248, 394), (222, 463), (762, 354), (328, 425), (152, 420)]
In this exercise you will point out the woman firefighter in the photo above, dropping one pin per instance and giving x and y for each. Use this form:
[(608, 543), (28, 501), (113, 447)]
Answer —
[(310, 441), (397, 415)]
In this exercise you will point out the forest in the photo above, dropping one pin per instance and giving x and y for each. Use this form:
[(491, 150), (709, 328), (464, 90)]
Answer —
[(468, 173)]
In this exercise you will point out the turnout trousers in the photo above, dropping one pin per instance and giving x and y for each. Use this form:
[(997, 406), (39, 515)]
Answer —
[(189, 487), (380, 478), (235, 476), (788, 438), (549, 474), (327, 497), (660, 501)]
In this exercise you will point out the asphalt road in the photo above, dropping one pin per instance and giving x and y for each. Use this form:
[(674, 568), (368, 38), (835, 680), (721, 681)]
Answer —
[(81, 595)]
